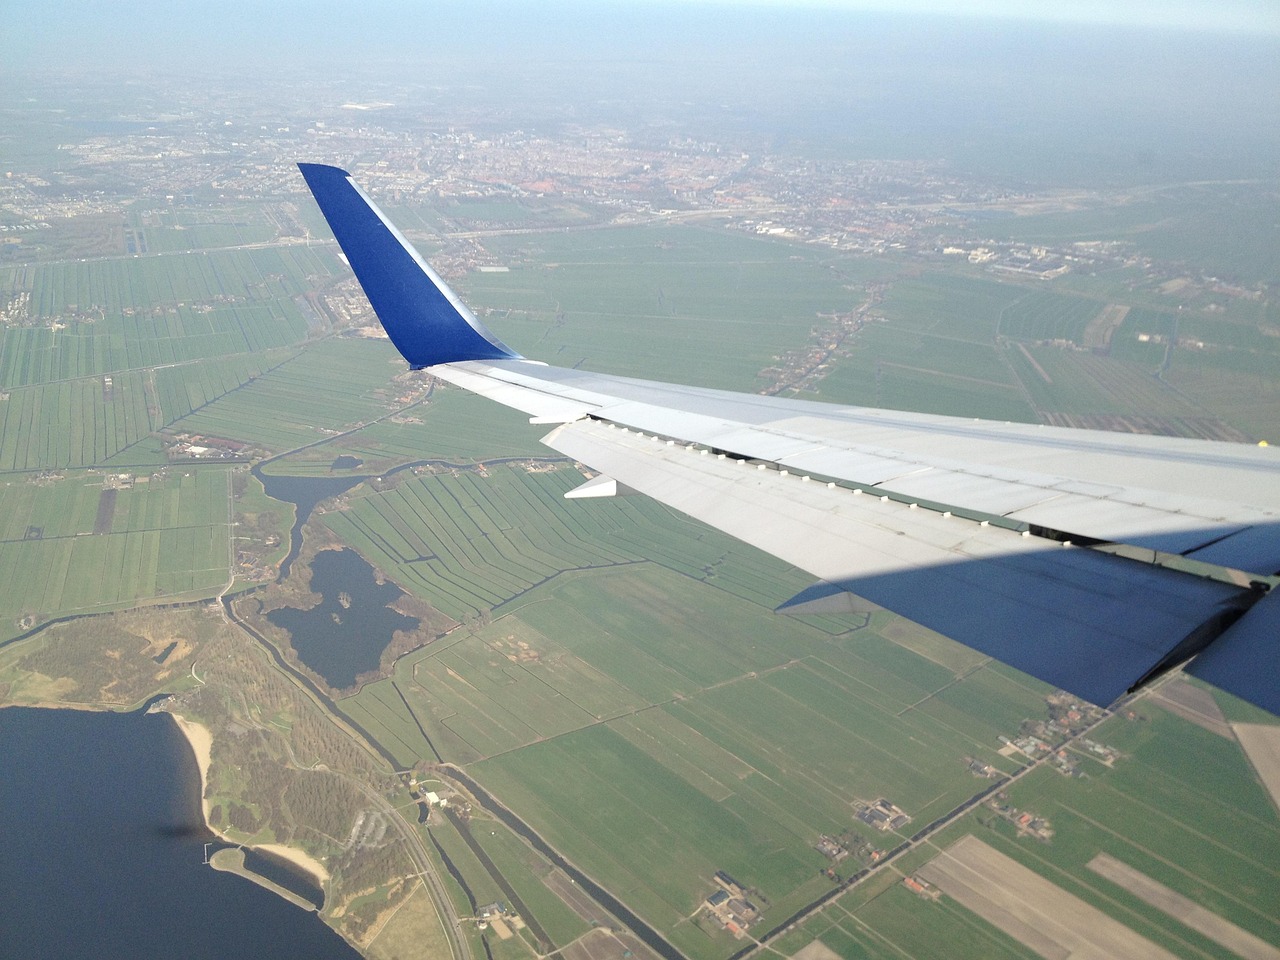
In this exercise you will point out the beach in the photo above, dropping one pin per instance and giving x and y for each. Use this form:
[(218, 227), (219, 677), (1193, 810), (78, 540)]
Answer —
[(201, 741), (299, 858)]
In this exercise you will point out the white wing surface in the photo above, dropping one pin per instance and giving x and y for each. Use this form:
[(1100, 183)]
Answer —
[(1094, 561)]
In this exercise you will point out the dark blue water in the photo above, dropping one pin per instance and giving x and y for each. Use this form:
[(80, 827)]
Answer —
[(103, 850), (345, 634), (304, 493)]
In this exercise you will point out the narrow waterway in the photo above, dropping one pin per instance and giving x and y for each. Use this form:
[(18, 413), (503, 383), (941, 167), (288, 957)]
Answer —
[(646, 933)]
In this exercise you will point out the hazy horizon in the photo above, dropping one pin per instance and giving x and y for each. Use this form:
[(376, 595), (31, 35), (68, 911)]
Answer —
[(1054, 101)]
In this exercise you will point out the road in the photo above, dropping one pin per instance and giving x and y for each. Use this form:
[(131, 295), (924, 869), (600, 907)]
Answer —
[(423, 867), (922, 836)]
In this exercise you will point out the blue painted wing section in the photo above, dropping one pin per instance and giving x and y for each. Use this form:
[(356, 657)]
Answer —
[(1255, 548), (1245, 660), (424, 319)]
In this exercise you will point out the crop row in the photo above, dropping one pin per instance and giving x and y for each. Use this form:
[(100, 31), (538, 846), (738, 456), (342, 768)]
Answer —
[(73, 423), (1042, 315), (455, 541), (60, 577), (143, 283), (334, 385), (30, 355), (70, 507)]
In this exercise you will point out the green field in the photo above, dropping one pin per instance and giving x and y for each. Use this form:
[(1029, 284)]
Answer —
[(110, 420), (115, 286), (1224, 229), (910, 371), (1181, 805), (757, 736), (165, 539), (335, 385), (467, 542), (619, 678), (159, 338), (451, 425), (164, 229), (75, 423), (652, 706), (654, 727), (688, 304), (1184, 807), (1041, 315), (1074, 382)]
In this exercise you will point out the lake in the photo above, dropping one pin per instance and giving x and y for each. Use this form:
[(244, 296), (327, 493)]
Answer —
[(104, 849), (345, 634)]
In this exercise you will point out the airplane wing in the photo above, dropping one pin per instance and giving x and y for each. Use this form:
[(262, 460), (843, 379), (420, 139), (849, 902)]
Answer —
[(1094, 561)]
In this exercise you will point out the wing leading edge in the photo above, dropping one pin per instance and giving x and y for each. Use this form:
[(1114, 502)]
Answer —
[(1093, 561), (423, 318)]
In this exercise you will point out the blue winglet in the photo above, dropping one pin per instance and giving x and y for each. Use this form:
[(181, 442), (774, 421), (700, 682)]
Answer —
[(424, 318)]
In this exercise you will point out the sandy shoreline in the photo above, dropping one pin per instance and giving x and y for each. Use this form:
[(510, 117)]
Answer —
[(299, 858), (201, 741)]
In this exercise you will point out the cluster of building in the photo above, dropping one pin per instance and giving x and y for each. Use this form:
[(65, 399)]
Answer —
[(980, 768), (1069, 715), (1030, 746), (800, 369), (1066, 763), (427, 799), (882, 815), (17, 311), (847, 845), (194, 446), (1040, 262), (831, 848), (730, 906), (1044, 739), (1103, 752), (921, 888), (499, 918), (1028, 824), (223, 143), (121, 481)]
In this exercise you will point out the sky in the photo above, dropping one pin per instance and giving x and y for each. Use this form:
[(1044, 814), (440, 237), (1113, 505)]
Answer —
[(1247, 16), (96, 33)]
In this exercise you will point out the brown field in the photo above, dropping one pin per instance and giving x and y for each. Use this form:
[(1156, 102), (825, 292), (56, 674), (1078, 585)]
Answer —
[(1192, 703), (411, 932), (1098, 333), (1240, 942), (817, 950), (1261, 744), (604, 944), (1038, 914)]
